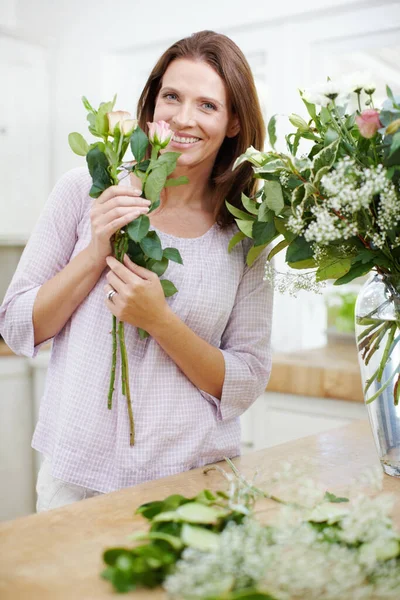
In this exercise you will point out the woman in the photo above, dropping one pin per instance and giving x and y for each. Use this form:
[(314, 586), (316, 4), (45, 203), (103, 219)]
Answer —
[(208, 357)]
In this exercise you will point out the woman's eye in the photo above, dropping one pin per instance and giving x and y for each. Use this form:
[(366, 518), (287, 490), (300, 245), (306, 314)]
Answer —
[(209, 105), (168, 95)]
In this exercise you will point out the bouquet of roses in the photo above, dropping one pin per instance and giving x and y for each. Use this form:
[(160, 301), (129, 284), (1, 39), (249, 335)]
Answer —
[(335, 210), (105, 160)]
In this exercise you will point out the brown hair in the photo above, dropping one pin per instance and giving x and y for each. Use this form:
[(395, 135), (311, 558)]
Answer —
[(226, 58)]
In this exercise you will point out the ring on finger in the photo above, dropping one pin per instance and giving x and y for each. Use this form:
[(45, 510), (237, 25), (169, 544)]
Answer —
[(110, 294)]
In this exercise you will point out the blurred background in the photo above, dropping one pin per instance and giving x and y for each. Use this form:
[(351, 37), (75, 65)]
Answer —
[(52, 53)]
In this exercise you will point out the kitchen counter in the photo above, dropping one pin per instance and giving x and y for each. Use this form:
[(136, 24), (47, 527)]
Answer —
[(331, 371), (57, 555), (328, 372)]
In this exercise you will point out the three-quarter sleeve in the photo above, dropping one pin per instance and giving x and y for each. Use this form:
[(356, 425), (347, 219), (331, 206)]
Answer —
[(48, 250), (245, 343)]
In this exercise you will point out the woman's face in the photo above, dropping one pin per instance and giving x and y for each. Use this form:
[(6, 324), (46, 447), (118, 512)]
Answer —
[(193, 101)]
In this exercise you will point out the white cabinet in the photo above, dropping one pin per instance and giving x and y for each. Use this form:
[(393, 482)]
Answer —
[(16, 456), (276, 418)]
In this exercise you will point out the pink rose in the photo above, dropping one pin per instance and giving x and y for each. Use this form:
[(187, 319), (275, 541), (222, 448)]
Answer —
[(160, 134), (368, 122)]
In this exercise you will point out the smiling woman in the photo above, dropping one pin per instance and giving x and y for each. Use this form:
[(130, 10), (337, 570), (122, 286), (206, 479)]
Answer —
[(208, 355)]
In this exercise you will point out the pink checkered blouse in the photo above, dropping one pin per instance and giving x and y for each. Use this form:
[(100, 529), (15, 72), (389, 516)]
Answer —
[(177, 425)]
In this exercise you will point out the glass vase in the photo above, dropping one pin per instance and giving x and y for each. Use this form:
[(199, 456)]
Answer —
[(377, 315)]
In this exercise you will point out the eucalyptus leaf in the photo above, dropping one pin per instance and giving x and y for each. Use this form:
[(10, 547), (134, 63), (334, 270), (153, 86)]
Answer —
[(78, 144), (168, 287)]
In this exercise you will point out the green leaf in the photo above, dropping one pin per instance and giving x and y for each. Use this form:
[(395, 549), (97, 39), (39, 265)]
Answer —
[(194, 512), (139, 143), (151, 246), (101, 123), (240, 214), (245, 226), (332, 498), (150, 509), (333, 268), (175, 181), (310, 108), (271, 167), (307, 263), (395, 145), (238, 237), (78, 144), (155, 183), (87, 105), (138, 228), (250, 205), (264, 233), (199, 538), (173, 254), (157, 266), (319, 175), (175, 542), (169, 160), (280, 246), (273, 196), (206, 497), (141, 167), (254, 253), (357, 270), (98, 168), (265, 214), (298, 121), (299, 250), (168, 287), (280, 225), (272, 131), (326, 157)]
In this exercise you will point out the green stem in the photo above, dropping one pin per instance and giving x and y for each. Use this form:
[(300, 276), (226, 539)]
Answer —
[(386, 351), (123, 365), (367, 331), (114, 361), (375, 345), (124, 360), (383, 388), (370, 338)]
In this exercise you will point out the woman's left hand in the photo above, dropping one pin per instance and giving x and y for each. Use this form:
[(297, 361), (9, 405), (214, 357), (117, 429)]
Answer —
[(140, 299)]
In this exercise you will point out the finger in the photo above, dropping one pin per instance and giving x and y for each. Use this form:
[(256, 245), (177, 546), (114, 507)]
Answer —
[(112, 227), (116, 282), (112, 304), (115, 190), (126, 275), (137, 270), (119, 212)]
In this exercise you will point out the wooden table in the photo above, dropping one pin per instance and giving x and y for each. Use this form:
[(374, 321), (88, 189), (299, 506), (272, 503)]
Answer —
[(56, 555)]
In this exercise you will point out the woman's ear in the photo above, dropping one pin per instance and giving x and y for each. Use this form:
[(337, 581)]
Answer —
[(233, 127)]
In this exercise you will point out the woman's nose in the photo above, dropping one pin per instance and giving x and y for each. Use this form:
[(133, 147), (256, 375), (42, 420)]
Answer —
[(184, 116)]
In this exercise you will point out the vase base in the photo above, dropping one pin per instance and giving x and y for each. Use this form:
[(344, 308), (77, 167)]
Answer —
[(390, 469)]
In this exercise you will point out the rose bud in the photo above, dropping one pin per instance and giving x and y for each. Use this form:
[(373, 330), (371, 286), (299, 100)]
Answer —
[(160, 134), (368, 123), (115, 117), (128, 125)]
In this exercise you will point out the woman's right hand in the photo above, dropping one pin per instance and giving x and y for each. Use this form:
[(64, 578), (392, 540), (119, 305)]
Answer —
[(113, 209)]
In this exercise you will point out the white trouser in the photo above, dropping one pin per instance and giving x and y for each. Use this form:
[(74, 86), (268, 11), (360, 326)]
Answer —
[(54, 493)]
